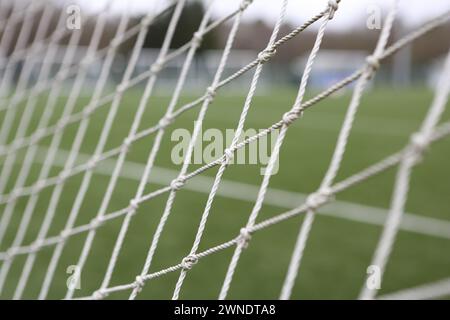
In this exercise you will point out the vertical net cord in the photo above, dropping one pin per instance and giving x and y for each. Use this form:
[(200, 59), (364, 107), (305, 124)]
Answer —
[(324, 191), (288, 118), (264, 56), (8, 31), (45, 118), (10, 115), (180, 180), (7, 40), (7, 166), (29, 62), (54, 146), (104, 73), (177, 182), (33, 50), (12, 106), (118, 94), (419, 142), (79, 116), (155, 149), (88, 165), (133, 130)]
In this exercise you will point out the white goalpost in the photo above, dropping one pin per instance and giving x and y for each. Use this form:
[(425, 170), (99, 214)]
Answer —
[(42, 105)]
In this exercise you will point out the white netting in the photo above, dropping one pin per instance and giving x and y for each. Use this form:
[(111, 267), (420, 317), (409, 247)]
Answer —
[(20, 145)]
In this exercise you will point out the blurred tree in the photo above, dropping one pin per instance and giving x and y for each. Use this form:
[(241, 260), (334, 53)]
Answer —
[(188, 24)]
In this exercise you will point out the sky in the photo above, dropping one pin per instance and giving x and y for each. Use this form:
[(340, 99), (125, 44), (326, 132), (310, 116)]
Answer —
[(351, 12)]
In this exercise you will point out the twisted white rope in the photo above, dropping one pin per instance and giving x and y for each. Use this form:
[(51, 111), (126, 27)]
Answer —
[(419, 142), (116, 214), (295, 112), (336, 160), (263, 57), (439, 133)]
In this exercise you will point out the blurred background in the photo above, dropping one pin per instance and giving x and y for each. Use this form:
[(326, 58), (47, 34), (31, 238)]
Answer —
[(345, 233)]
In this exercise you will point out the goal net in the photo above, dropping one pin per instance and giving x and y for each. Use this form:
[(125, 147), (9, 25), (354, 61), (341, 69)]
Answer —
[(94, 206)]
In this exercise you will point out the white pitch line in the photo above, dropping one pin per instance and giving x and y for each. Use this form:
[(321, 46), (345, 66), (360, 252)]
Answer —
[(275, 197), (435, 290)]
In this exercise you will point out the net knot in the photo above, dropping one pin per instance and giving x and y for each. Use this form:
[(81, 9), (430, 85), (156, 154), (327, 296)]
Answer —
[(178, 183), (318, 198), (165, 121), (11, 252), (139, 283), (96, 222), (16, 193), (146, 21), (62, 124), (245, 4), (156, 67), (244, 237), (115, 43), (39, 186), (134, 204), (127, 143), (64, 234), (188, 262), (87, 111), (197, 39), (333, 6), (99, 294), (37, 245), (373, 63), (267, 54), (419, 143), (93, 162), (121, 88), (290, 116), (62, 176), (210, 93), (228, 155)]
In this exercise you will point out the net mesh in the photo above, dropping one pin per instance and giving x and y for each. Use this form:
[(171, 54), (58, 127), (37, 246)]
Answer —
[(22, 190)]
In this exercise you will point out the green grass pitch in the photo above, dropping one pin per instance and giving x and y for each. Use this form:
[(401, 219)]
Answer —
[(338, 251)]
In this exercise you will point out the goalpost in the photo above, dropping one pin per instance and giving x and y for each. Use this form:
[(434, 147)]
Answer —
[(20, 145)]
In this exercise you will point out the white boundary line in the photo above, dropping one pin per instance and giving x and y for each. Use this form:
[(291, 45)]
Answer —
[(275, 197), (439, 289)]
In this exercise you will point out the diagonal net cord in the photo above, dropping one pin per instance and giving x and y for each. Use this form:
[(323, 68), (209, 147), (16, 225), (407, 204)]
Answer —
[(12, 104), (334, 88), (7, 167), (43, 121), (68, 58), (441, 132), (63, 122), (155, 149), (23, 37), (40, 185), (180, 180), (10, 25), (133, 130), (15, 16), (32, 51), (265, 56), (20, 16), (25, 33), (70, 105), (323, 192), (71, 70), (45, 226), (100, 146), (28, 111), (288, 118), (419, 142)]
